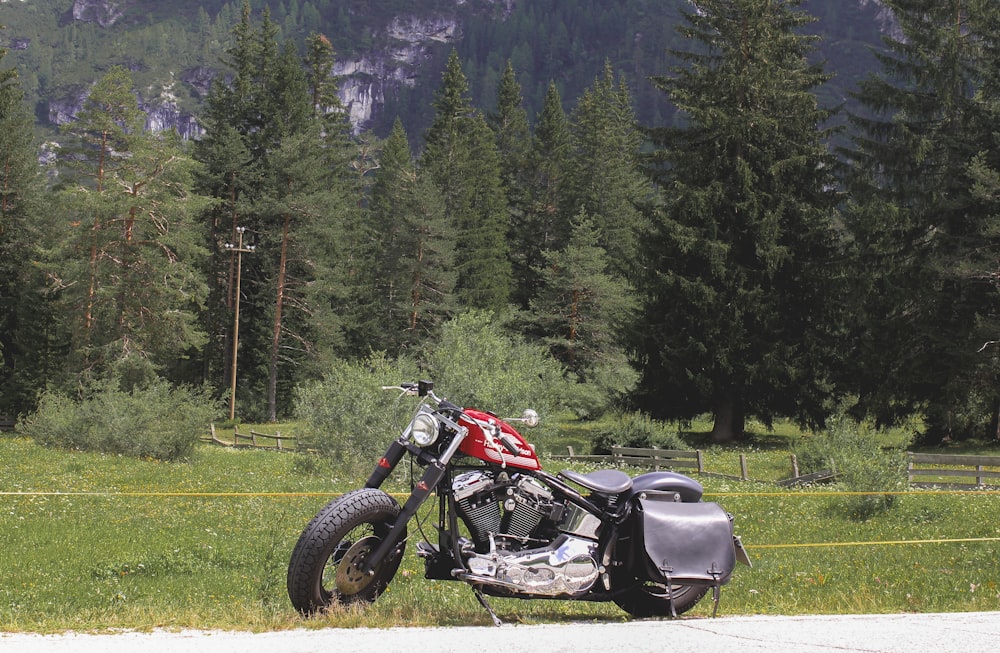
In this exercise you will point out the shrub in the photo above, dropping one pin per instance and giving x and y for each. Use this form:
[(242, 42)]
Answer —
[(636, 430), (157, 421), (478, 363), (865, 463), (347, 415)]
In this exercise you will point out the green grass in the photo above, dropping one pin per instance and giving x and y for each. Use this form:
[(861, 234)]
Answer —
[(204, 544)]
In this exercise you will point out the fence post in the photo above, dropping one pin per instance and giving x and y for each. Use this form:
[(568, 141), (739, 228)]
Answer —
[(743, 467), (795, 466)]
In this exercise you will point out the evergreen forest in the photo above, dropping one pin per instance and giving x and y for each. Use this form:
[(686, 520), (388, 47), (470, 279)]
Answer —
[(726, 241)]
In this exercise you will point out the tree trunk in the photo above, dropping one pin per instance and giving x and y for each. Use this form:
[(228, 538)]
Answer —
[(92, 291), (729, 421), (996, 423), (272, 381)]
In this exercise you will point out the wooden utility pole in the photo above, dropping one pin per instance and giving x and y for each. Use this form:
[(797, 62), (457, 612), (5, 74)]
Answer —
[(239, 249)]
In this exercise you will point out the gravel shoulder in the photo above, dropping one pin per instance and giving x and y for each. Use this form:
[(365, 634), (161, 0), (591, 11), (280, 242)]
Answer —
[(966, 632)]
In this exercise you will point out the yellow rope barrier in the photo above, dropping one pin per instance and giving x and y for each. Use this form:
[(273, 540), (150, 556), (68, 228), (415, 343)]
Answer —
[(870, 543), (717, 494), (171, 494), (833, 493), (821, 493)]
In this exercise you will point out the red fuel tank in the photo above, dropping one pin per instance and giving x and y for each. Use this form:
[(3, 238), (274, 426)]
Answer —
[(480, 444)]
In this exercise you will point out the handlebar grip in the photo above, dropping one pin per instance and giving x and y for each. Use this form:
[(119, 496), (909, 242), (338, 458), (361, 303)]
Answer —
[(447, 405), (407, 388), (509, 444)]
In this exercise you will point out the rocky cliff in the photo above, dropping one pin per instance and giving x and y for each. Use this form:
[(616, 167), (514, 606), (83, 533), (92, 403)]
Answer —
[(405, 45), (398, 48), (103, 12)]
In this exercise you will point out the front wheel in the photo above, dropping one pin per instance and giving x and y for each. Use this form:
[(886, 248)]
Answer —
[(648, 599), (327, 562)]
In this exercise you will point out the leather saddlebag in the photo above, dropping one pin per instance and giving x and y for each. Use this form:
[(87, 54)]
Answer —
[(686, 543)]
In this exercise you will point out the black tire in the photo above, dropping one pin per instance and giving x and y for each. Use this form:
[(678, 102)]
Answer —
[(647, 599), (325, 565)]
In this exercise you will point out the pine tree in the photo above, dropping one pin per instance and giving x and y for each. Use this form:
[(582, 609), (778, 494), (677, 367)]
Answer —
[(413, 271), (301, 200), (278, 148), (133, 248), (545, 226), (29, 323), (734, 283), (984, 172), (921, 225), (234, 172), (584, 310), (295, 182), (509, 123), (462, 159), (604, 178)]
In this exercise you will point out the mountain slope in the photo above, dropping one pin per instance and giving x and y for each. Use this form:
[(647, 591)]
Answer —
[(390, 53)]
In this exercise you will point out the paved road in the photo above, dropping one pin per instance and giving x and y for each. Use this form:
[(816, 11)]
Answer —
[(968, 632)]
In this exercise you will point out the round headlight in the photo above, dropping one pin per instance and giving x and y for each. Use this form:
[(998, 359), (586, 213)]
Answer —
[(424, 430)]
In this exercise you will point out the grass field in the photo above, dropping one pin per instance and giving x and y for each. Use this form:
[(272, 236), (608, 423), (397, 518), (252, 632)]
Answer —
[(94, 542)]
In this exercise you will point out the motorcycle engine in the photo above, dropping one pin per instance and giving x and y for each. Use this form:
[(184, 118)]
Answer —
[(512, 553), (508, 510)]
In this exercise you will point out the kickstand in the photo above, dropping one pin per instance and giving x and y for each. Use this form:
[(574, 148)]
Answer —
[(482, 602)]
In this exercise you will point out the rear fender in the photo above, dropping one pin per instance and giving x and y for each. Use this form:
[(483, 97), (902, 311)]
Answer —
[(690, 490)]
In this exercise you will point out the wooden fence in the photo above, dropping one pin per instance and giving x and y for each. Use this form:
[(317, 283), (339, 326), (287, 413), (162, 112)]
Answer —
[(692, 461), (656, 458), (956, 471), (256, 440), (923, 469)]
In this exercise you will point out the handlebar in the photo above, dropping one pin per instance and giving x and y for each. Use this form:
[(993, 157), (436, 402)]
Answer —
[(426, 389), (405, 388), (423, 389)]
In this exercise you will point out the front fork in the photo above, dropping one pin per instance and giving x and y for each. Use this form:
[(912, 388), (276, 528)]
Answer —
[(435, 471), (386, 464)]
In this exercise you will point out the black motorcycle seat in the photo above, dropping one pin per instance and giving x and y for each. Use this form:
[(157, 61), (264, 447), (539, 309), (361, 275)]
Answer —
[(603, 481)]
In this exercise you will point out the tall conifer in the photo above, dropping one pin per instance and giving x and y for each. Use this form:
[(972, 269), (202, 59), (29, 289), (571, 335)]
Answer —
[(732, 278), (923, 225), (509, 123), (545, 225), (278, 152), (582, 309), (414, 274), (604, 176), (29, 324), (133, 251), (462, 158)]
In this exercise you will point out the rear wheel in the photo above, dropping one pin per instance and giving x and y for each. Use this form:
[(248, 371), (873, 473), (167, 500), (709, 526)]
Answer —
[(327, 563), (648, 599)]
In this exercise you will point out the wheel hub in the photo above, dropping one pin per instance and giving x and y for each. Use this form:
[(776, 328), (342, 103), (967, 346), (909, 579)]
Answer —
[(351, 577)]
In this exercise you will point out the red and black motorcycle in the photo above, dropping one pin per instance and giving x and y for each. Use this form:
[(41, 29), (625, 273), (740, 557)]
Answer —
[(510, 529)]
